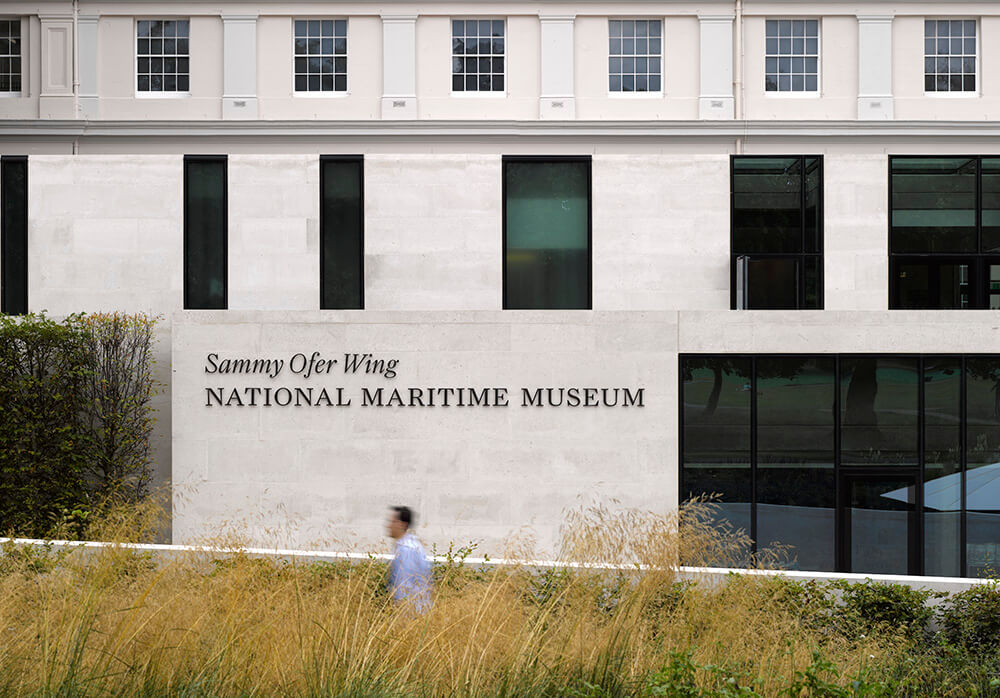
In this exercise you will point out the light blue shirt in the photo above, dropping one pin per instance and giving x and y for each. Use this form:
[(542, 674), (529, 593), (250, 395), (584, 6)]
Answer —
[(410, 574)]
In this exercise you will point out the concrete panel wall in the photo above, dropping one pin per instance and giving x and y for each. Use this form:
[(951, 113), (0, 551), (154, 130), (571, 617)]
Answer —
[(856, 232), (301, 476), (274, 232), (105, 233), (433, 232), (661, 232)]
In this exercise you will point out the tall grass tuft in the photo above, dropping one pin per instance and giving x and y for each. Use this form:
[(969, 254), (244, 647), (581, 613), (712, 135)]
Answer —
[(114, 622)]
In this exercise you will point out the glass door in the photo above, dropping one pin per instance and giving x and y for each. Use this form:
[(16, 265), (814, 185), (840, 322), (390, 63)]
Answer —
[(878, 520)]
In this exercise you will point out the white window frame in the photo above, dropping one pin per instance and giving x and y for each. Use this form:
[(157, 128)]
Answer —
[(476, 94), (24, 63), (314, 94), (805, 94), (648, 94), (973, 94), (177, 94)]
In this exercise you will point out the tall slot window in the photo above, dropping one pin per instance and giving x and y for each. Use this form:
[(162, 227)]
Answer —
[(635, 51), (477, 55), (10, 56), (791, 62), (950, 54), (777, 232), (342, 221), (321, 55), (163, 55), (944, 232), (205, 232), (14, 235), (546, 233)]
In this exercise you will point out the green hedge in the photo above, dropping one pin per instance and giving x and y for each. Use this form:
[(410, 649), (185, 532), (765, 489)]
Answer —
[(75, 417)]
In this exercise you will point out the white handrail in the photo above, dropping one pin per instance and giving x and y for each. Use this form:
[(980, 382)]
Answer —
[(712, 573)]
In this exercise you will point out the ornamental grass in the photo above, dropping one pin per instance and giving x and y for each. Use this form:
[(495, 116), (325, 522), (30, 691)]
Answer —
[(118, 622)]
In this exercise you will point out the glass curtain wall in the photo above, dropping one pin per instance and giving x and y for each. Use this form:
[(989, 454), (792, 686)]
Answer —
[(944, 236), (776, 437), (777, 231)]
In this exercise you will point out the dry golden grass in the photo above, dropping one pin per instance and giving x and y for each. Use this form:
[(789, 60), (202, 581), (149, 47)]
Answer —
[(114, 622)]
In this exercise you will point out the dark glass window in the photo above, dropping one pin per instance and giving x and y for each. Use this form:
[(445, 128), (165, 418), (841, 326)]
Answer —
[(944, 232), (477, 55), (777, 232), (205, 232), (163, 55), (342, 216), (546, 233), (796, 485), (983, 470), (942, 383), (716, 458), (14, 235), (878, 411), (320, 55), (850, 462), (10, 55)]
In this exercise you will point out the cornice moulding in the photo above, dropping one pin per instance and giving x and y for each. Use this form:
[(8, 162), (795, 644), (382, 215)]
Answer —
[(553, 130)]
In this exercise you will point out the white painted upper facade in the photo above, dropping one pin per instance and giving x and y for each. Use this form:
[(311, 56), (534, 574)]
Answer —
[(79, 61)]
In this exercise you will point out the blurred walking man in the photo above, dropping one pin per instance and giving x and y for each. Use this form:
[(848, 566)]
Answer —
[(409, 572)]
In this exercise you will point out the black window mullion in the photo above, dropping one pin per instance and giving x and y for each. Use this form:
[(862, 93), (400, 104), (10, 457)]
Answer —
[(753, 456), (963, 467), (14, 235), (918, 495)]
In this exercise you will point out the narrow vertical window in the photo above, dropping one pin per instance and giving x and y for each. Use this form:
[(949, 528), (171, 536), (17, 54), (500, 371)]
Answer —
[(547, 233), (950, 55), (162, 56), (205, 232), (10, 55), (14, 235), (342, 222), (321, 55)]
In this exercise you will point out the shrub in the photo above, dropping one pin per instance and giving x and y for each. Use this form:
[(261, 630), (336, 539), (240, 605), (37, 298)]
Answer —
[(43, 444), (971, 618), (75, 418), (868, 606), (118, 391)]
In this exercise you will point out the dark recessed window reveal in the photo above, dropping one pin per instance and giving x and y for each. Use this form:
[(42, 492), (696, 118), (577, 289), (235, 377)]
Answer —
[(944, 232), (342, 224), (777, 232), (205, 232), (14, 234), (862, 463), (546, 233)]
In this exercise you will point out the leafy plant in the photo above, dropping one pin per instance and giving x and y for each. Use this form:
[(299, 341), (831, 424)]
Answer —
[(971, 618)]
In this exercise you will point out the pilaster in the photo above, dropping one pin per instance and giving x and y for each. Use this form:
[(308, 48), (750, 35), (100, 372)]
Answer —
[(715, 94), (239, 74)]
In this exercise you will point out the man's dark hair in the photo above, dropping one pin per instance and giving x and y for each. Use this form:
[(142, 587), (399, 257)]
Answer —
[(405, 515)]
